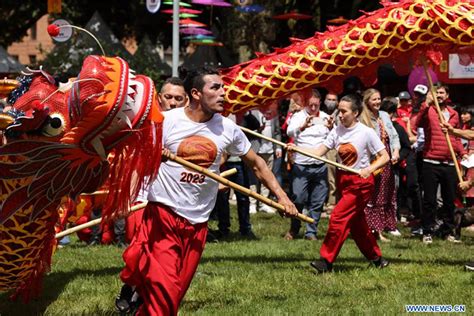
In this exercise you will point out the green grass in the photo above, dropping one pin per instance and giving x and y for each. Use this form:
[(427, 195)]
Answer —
[(270, 276)]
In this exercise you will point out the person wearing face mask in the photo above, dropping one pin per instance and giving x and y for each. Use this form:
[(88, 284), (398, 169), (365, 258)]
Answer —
[(330, 107), (381, 211)]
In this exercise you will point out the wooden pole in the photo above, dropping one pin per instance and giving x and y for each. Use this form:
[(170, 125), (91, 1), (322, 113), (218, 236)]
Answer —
[(441, 119), (235, 186), (224, 174), (133, 209), (94, 222), (301, 151)]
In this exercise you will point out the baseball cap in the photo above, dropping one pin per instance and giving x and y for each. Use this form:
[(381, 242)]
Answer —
[(421, 88), (404, 95)]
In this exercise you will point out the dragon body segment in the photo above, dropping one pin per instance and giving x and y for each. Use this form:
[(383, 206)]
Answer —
[(356, 48)]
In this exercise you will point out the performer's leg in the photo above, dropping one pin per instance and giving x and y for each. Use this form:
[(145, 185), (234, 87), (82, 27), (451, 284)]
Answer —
[(193, 246), (360, 231), (339, 225), (155, 258)]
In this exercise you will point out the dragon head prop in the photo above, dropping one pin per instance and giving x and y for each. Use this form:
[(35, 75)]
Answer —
[(58, 141), (400, 31)]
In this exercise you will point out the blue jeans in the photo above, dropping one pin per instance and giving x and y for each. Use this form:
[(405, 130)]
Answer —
[(243, 203), (310, 189)]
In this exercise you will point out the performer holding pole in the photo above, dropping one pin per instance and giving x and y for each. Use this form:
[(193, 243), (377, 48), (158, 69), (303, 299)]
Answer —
[(164, 254), (355, 144)]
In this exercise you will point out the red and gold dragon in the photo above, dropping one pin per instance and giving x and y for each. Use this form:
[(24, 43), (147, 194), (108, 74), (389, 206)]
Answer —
[(57, 140), (392, 34)]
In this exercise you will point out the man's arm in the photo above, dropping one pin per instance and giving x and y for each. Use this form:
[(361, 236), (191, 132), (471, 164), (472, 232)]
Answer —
[(464, 133), (265, 175)]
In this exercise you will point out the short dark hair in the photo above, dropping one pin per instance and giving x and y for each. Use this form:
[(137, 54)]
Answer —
[(356, 102), (316, 93), (389, 105), (193, 79), (441, 85), (175, 81)]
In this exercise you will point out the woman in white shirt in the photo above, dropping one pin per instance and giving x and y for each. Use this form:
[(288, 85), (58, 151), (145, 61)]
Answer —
[(355, 144)]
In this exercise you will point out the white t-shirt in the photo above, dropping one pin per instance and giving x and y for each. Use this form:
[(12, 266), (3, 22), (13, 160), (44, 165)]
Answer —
[(354, 145), (311, 137), (188, 193)]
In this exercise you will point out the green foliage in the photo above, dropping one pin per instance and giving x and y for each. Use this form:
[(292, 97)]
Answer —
[(270, 276)]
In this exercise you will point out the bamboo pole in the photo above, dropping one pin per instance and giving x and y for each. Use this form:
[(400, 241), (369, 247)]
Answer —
[(441, 119), (235, 186), (301, 151), (224, 174), (94, 222)]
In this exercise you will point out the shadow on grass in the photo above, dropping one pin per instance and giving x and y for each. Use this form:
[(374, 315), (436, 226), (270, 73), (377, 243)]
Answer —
[(341, 264), (53, 285)]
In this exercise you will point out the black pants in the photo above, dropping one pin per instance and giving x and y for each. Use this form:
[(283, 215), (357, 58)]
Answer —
[(434, 175), (410, 191)]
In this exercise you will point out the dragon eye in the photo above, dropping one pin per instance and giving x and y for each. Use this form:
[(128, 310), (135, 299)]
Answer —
[(54, 126)]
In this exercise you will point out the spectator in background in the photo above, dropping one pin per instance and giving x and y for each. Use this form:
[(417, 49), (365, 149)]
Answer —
[(241, 177), (270, 127), (382, 207), (404, 108), (330, 107), (172, 94), (408, 193), (309, 176), (438, 165)]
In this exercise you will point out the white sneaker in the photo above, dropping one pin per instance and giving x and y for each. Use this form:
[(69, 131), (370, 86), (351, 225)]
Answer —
[(267, 209), (452, 239), (252, 209), (427, 240), (395, 233)]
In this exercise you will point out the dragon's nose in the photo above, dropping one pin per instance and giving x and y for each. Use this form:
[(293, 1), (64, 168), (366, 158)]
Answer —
[(5, 121)]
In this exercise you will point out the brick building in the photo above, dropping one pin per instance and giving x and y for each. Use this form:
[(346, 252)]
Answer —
[(27, 51)]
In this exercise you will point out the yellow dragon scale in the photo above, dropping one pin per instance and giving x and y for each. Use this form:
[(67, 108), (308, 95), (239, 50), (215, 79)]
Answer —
[(327, 57)]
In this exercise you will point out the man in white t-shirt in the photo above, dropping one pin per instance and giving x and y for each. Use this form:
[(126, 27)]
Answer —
[(163, 257)]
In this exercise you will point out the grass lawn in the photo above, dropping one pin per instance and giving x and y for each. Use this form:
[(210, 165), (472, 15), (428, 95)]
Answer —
[(270, 276)]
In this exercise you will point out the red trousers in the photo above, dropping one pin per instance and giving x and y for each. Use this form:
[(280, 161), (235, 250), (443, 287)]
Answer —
[(348, 216), (162, 259)]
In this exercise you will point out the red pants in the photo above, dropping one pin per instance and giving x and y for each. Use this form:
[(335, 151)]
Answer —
[(348, 216), (162, 259)]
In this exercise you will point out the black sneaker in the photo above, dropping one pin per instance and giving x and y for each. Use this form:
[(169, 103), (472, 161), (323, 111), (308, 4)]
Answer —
[(381, 263), (322, 265), (469, 266), (122, 302), (249, 235)]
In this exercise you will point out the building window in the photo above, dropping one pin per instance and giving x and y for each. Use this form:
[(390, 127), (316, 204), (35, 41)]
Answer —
[(33, 32), (15, 56), (32, 59)]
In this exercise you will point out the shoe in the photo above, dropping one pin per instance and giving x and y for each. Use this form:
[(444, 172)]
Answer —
[(427, 239), (94, 242), (417, 232), (121, 244), (289, 236), (249, 235), (122, 302), (310, 237), (453, 239), (379, 236), (469, 266), (381, 263), (322, 265), (253, 209), (267, 209), (395, 233), (211, 238)]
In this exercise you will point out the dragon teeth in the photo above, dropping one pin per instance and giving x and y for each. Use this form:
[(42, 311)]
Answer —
[(99, 147)]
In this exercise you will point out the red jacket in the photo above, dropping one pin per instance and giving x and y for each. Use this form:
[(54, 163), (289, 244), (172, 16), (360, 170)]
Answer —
[(435, 146)]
